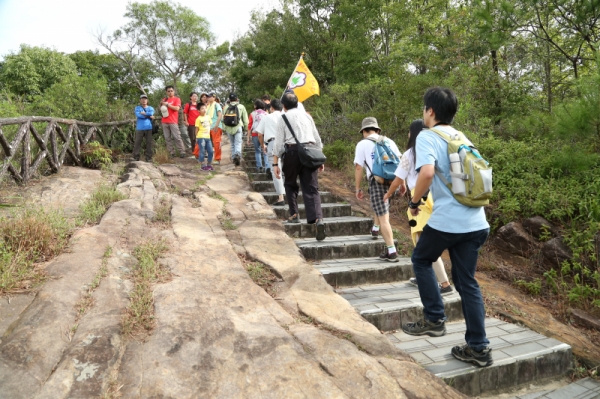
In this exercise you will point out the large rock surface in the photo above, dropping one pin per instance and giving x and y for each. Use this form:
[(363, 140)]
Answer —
[(513, 238), (555, 251)]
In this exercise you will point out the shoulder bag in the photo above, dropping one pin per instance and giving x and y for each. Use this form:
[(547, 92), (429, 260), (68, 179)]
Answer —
[(311, 156)]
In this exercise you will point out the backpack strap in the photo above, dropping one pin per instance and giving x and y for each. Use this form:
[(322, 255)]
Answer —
[(438, 172), (285, 119)]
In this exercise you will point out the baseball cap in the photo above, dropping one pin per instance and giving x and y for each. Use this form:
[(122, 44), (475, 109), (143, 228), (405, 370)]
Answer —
[(143, 96), (232, 97), (211, 94)]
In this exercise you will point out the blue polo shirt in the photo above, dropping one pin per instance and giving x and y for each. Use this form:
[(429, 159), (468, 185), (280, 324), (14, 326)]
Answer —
[(449, 215), (143, 121)]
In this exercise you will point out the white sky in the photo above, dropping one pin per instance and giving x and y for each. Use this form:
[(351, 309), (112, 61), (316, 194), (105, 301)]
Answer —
[(68, 25)]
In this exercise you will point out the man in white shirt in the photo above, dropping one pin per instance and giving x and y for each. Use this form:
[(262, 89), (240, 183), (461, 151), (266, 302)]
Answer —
[(267, 129), (364, 155)]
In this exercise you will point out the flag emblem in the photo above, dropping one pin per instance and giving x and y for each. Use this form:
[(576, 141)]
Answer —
[(303, 82)]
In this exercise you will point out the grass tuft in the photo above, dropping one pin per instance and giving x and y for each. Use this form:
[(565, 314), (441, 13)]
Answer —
[(161, 155), (139, 319), (96, 206), (28, 237), (162, 214)]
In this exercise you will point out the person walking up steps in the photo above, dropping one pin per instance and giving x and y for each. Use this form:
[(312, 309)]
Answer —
[(169, 108), (364, 156), (235, 121), (266, 130), (460, 229), (407, 176), (203, 138), (255, 117), (215, 111), (285, 146)]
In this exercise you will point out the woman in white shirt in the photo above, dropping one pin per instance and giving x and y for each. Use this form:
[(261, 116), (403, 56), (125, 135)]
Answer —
[(406, 175)]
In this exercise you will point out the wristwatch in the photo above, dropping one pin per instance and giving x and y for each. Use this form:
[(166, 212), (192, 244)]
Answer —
[(412, 205)]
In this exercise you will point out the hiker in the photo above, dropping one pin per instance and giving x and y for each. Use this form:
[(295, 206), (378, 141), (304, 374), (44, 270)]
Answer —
[(143, 128), (203, 138), (364, 156), (460, 229), (169, 108), (215, 112), (407, 176), (235, 121), (267, 100), (266, 130), (204, 98), (285, 147), (254, 119), (190, 113)]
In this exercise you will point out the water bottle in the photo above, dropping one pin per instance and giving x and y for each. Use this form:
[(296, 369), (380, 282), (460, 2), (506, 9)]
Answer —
[(458, 184)]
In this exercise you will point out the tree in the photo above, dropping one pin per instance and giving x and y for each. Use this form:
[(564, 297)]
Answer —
[(34, 69), (175, 39)]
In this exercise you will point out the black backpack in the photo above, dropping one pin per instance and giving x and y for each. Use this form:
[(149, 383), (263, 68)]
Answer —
[(232, 116)]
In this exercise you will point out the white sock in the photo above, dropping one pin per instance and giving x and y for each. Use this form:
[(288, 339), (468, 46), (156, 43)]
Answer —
[(375, 228), (391, 250)]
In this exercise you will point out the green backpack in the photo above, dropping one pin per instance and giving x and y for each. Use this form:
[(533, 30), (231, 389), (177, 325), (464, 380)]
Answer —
[(471, 175)]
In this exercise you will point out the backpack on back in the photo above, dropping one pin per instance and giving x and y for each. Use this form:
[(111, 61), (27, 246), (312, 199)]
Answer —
[(471, 175), (385, 161), (232, 116)]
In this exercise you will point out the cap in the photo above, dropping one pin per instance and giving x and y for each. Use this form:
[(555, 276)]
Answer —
[(211, 94), (369, 122), (232, 97), (143, 96)]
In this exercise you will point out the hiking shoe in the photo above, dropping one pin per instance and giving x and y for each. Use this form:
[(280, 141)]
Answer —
[(447, 290), (205, 168), (216, 162), (470, 355), (181, 155), (236, 160), (385, 255), (375, 234), (293, 219), (320, 230), (426, 327), (413, 281), (148, 159), (279, 203), (209, 167)]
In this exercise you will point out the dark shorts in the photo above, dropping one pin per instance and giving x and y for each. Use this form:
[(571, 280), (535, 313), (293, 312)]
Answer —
[(376, 193)]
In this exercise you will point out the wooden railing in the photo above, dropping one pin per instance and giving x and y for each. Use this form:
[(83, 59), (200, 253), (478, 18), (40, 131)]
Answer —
[(61, 137)]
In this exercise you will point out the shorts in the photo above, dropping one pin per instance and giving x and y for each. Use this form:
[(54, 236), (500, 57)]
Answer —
[(376, 193)]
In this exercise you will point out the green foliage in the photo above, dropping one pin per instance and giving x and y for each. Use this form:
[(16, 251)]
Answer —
[(94, 207), (95, 155), (532, 287), (34, 69), (339, 153)]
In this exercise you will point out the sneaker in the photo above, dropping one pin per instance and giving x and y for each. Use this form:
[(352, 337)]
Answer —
[(447, 290), (293, 219), (209, 167), (470, 355), (375, 234), (413, 281), (205, 168), (320, 230), (148, 159), (236, 160), (426, 327), (216, 162), (172, 155), (385, 255), (181, 155), (279, 203)]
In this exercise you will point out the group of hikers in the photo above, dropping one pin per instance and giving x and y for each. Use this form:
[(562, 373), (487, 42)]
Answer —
[(277, 128)]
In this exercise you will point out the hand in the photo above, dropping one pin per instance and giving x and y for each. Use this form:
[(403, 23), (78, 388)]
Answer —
[(360, 195), (415, 211), (143, 113), (387, 196), (264, 149), (322, 168), (152, 117), (277, 172), (402, 189), (187, 123)]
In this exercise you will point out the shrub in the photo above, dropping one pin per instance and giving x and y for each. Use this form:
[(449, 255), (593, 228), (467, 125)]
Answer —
[(339, 153), (94, 155)]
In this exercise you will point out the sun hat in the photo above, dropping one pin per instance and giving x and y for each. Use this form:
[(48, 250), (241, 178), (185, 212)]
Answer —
[(369, 122)]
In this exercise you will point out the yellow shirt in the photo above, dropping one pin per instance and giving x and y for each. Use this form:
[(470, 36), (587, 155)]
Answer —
[(203, 125)]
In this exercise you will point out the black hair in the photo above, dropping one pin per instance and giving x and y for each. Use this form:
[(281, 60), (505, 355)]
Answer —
[(415, 128), (444, 103), (289, 101), (169, 87), (192, 93), (202, 105), (276, 105), (259, 104), (266, 97)]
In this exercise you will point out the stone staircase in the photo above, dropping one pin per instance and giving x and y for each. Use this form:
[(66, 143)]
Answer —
[(380, 292)]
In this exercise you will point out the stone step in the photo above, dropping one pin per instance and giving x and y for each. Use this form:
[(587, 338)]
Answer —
[(258, 176), (388, 306), (360, 246), (353, 272), (330, 210), (521, 356), (587, 388), (342, 226), (271, 197), (263, 185)]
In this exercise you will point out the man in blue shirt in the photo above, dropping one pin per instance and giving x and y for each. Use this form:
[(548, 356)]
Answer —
[(460, 229), (143, 129)]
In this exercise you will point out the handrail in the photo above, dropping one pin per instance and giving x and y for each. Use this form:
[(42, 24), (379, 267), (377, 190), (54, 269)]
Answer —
[(76, 134)]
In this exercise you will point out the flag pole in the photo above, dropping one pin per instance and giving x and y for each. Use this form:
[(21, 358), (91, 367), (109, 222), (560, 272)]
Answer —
[(288, 82)]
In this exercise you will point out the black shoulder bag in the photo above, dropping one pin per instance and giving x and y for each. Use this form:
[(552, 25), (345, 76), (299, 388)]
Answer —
[(311, 156)]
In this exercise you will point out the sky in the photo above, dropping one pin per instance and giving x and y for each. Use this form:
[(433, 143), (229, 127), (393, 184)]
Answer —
[(68, 25)]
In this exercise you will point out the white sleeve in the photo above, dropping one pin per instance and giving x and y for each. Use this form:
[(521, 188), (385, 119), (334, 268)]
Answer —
[(359, 155), (402, 170)]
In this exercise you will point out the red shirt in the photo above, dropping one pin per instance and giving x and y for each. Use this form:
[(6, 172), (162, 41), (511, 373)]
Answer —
[(173, 115), (191, 112)]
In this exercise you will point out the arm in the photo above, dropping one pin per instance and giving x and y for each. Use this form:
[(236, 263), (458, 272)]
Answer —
[(138, 112), (219, 117), (244, 117), (149, 112), (358, 173), (426, 174), (278, 148), (250, 121), (185, 115), (398, 182)]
